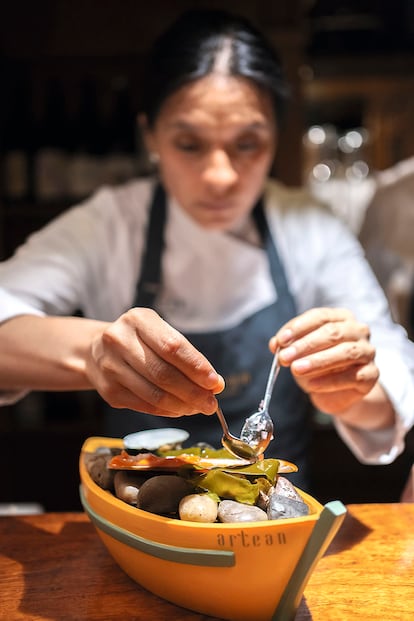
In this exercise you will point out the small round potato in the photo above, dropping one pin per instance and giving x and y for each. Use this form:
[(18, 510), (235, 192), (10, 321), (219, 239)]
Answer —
[(198, 508)]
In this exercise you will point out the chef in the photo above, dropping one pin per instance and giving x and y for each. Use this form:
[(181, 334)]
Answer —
[(189, 280)]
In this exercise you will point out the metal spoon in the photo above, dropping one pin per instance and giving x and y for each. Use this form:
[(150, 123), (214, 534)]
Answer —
[(257, 431), (234, 445)]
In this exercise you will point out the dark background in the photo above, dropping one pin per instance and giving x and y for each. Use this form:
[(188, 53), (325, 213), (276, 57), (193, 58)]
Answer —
[(349, 63)]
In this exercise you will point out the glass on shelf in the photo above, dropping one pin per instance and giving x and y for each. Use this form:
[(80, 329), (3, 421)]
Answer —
[(337, 171)]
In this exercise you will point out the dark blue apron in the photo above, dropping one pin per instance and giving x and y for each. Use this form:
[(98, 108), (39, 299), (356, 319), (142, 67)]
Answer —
[(241, 354)]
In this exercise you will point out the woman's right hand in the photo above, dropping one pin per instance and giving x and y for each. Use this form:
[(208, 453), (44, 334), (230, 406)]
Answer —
[(141, 363)]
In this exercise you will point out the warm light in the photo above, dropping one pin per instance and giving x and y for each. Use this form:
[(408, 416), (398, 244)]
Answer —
[(316, 135), (321, 172)]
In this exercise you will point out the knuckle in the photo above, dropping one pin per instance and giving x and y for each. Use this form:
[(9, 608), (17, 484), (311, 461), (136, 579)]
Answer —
[(369, 374), (131, 312), (163, 372), (171, 344), (137, 313), (157, 397), (196, 396), (107, 366), (366, 332), (137, 318), (334, 333), (110, 336), (354, 352)]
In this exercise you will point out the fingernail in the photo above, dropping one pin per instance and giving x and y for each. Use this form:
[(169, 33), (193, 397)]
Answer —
[(288, 354), (285, 337), (212, 379), (301, 365)]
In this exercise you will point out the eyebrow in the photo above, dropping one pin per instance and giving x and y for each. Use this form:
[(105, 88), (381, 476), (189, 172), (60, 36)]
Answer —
[(191, 126)]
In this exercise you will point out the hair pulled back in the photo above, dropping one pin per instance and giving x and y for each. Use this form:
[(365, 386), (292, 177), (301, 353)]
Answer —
[(189, 50)]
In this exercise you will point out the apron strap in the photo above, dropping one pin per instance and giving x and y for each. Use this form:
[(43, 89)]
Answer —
[(286, 302), (149, 282)]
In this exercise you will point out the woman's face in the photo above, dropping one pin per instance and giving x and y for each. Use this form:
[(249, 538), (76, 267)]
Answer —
[(215, 139)]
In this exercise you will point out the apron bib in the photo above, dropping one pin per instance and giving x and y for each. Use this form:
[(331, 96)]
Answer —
[(240, 354)]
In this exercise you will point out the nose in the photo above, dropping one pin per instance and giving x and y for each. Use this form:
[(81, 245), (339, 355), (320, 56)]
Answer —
[(220, 174)]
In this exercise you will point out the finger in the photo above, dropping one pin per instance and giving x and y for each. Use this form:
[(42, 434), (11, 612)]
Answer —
[(326, 337), (171, 346), (123, 398), (337, 358), (141, 371), (335, 403), (307, 322), (359, 378), (117, 378)]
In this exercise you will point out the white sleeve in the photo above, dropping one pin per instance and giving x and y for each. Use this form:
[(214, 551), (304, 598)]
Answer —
[(49, 273), (86, 259), (326, 267), (394, 355), (11, 306), (394, 351), (396, 377), (36, 279)]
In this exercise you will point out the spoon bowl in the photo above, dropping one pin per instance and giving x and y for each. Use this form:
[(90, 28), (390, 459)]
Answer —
[(237, 447), (257, 430)]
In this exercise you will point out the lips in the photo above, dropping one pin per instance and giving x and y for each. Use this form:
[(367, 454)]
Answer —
[(216, 206)]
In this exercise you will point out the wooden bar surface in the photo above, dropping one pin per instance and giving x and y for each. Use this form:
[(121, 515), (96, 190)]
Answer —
[(54, 567)]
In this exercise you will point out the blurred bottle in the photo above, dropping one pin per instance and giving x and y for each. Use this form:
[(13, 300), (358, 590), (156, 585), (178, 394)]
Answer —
[(85, 165), (17, 144), (53, 146), (121, 159)]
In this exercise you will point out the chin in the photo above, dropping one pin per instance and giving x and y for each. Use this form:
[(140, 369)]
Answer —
[(217, 226), (219, 221)]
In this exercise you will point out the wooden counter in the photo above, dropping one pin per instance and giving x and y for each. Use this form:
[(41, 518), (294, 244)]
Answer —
[(53, 567)]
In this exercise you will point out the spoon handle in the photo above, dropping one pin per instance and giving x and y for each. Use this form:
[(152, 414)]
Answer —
[(274, 372), (222, 420)]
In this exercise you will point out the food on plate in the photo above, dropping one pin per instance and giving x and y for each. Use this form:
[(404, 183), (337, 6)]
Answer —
[(197, 484)]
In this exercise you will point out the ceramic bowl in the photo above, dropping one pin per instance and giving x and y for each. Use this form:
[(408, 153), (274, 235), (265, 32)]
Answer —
[(252, 571)]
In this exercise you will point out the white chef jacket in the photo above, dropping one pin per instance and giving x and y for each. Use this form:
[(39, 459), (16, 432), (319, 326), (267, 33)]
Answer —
[(89, 257)]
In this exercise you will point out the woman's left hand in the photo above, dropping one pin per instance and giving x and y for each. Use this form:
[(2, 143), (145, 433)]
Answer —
[(330, 356)]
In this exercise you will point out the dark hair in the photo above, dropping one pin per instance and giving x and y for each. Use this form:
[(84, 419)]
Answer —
[(189, 48)]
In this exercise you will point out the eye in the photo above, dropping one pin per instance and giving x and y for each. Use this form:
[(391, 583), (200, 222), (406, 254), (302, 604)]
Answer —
[(188, 147), (246, 145), (187, 144)]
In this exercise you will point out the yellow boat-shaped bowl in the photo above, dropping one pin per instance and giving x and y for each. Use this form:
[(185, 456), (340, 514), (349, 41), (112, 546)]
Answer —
[(254, 571)]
